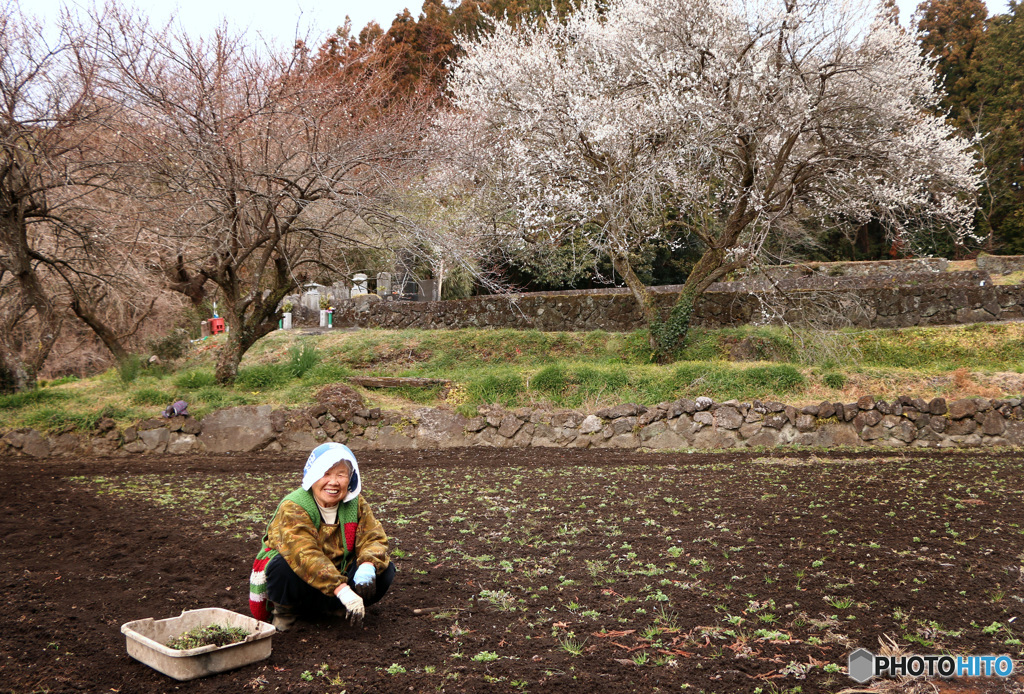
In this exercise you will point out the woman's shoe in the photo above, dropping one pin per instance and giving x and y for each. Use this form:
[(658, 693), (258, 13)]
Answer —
[(284, 617)]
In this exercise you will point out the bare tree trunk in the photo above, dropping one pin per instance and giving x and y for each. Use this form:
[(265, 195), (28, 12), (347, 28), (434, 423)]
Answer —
[(191, 284), (14, 365), (440, 278), (243, 332), (102, 330), (229, 358), (669, 335), (17, 260), (24, 369), (640, 291), (704, 272), (234, 320), (250, 318)]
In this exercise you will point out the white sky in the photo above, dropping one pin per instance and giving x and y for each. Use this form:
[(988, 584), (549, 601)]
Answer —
[(276, 20), (907, 8)]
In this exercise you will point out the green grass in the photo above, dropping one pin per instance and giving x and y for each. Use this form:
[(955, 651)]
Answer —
[(528, 367), (211, 398), (325, 372), (14, 401), (69, 378), (264, 376), (770, 344), (980, 345), (196, 378), (744, 383), (302, 358), (151, 396), (834, 380), (504, 386), (129, 369), (575, 384), (60, 419)]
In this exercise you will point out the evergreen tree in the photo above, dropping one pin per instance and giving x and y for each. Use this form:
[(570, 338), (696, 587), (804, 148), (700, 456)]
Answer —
[(951, 31), (1001, 88)]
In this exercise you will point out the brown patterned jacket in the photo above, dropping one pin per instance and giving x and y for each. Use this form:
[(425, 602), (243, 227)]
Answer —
[(318, 556)]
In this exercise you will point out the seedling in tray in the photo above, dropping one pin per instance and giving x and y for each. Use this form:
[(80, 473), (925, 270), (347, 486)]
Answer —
[(212, 635)]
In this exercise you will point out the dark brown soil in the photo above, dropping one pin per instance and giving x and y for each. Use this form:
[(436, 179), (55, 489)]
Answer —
[(522, 555)]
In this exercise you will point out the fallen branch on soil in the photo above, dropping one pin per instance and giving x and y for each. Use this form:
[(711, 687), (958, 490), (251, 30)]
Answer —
[(397, 382), (429, 610)]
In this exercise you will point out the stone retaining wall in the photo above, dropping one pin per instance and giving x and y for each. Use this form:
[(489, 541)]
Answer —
[(862, 268), (819, 282), (682, 424), (916, 299), (1000, 264)]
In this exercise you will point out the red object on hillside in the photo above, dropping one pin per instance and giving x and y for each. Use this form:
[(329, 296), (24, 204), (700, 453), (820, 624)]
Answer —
[(216, 325)]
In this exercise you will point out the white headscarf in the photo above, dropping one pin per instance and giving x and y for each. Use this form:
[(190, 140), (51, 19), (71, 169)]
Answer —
[(323, 458)]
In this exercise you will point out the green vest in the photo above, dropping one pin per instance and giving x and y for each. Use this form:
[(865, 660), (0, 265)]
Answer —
[(348, 517)]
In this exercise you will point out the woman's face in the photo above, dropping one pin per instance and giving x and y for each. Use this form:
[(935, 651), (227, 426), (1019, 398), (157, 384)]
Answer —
[(330, 489)]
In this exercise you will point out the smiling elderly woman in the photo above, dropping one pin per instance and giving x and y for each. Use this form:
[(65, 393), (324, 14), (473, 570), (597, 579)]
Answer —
[(323, 551)]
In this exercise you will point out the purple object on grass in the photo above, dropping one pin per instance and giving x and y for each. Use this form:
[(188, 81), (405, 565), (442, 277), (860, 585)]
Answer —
[(178, 409)]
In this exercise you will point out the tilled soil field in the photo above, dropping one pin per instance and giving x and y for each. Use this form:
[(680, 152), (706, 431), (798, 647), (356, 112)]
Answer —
[(533, 571)]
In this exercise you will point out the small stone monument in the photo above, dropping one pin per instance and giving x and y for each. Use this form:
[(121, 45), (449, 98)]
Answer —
[(359, 284), (427, 290), (311, 300)]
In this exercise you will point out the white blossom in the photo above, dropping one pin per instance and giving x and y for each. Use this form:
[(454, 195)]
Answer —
[(737, 114)]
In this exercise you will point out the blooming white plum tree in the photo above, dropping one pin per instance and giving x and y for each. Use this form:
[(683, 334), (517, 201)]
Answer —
[(639, 119)]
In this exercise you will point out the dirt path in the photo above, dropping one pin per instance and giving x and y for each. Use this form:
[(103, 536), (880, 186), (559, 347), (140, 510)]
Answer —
[(77, 563)]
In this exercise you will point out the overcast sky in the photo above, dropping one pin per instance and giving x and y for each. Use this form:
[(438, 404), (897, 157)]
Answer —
[(277, 20)]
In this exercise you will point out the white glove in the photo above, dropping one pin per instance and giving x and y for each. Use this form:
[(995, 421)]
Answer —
[(365, 581), (352, 602)]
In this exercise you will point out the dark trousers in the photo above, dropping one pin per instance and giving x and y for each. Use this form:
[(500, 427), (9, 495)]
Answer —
[(284, 587)]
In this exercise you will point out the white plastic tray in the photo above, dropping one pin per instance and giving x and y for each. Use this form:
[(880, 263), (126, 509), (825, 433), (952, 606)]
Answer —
[(147, 642)]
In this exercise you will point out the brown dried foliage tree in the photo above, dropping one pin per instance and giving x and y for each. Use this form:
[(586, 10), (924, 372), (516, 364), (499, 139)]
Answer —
[(261, 169), (60, 155)]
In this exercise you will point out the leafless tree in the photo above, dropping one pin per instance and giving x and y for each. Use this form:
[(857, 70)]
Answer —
[(60, 153), (261, 170)]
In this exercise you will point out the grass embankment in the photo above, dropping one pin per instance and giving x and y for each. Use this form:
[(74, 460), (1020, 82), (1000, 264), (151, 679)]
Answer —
[(579, 370)]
